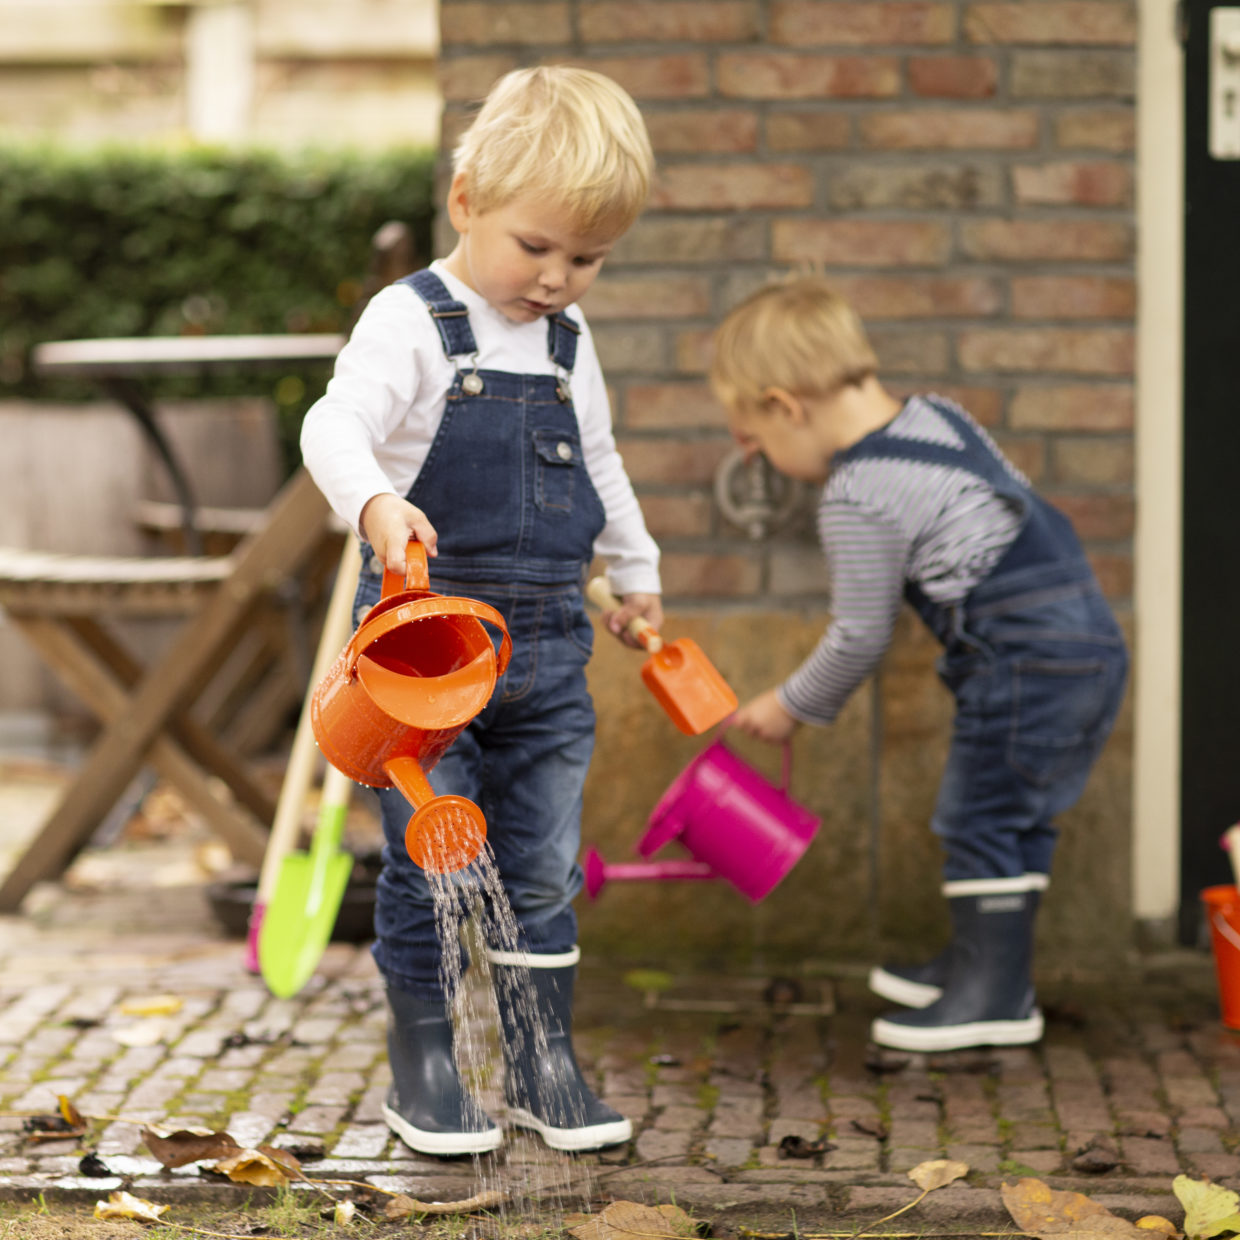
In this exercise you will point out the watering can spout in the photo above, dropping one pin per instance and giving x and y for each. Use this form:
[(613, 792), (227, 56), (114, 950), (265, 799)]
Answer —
[(419, 667), (598, 872)]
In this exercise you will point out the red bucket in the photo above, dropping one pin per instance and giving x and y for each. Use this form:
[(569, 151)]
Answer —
[(1222, 905)]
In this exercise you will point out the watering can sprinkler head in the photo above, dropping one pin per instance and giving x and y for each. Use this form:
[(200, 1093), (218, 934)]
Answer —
[(446, 834)]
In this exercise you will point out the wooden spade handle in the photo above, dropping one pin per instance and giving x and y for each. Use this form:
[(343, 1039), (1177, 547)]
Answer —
[(599, 593)]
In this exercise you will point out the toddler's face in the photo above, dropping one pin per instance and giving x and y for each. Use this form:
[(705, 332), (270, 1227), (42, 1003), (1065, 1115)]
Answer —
[(791, 443), (528, 258)]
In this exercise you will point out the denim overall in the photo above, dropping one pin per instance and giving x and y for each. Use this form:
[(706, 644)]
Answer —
[(1036, 663), (506, 487)]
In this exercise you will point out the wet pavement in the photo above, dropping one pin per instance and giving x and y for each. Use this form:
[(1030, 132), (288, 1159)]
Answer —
[(755, 1099)]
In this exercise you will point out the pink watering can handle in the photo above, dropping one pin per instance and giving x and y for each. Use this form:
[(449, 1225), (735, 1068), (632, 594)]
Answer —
[(785, 764)]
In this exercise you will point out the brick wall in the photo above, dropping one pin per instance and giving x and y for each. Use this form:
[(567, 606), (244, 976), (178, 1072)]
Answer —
[(963, 170)]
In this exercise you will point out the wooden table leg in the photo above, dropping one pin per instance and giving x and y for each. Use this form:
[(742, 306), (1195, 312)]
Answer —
[(297, 522), (245, 835)]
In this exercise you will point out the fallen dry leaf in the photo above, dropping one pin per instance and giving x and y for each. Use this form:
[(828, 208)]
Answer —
[(627, 1218), (51, 1128), (1208, 1208), (73, 1117), (1046, 1212), (792, 1146), (937, 1172), (253, 1167), (153, 1005), (147, 1032), (187, 1145), (1156, 1222), (126, 1205)]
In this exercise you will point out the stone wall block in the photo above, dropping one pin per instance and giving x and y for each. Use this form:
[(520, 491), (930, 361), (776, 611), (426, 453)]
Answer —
[(1077, 21), (702, 131), (491, 25), (1073, 297), (807, 131), (679, 21), (950, 129), (737, 187), (1079, 238), (1081, 350), (916, 185), (1073, 407), (861, 242), (1067, 75), (953, 77), (877, 22), (1100, 129), (1091, 183), (774, 75)]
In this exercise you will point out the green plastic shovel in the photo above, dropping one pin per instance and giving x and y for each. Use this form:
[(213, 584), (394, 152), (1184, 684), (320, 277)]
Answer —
[(298, 922)]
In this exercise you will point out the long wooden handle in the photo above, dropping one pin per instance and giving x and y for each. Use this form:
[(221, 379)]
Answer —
[(337, 625), (599, 593)]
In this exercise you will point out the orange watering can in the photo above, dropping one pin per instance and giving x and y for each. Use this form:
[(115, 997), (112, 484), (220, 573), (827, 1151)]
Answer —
[(419, 667)]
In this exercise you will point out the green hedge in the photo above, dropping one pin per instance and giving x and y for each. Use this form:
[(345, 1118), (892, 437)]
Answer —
[(201, 241)]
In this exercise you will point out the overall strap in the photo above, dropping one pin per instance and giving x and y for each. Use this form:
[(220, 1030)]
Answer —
[(975, 457), (562, 333), (451, 317)]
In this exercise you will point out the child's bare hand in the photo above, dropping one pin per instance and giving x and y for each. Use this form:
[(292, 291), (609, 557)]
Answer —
[(647, 607), (766, 719), (389, 522)]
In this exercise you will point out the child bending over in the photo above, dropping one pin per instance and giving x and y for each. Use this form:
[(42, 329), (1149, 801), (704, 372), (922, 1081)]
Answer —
[(919, 505)]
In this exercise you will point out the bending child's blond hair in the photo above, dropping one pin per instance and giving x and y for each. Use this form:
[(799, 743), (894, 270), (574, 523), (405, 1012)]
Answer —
[(571, 134), (797, 334)]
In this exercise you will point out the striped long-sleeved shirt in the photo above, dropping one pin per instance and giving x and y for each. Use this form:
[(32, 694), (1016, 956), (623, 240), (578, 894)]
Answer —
[(885, 522)]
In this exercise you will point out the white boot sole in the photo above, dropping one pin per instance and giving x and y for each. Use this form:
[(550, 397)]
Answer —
[(594, 1137), (442, 1142), (958, 1037), (901, 990)]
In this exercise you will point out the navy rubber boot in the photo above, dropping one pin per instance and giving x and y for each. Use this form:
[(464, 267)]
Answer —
[(543, 1085), (913, 985), (919, 985), (987, 997), (427, 1107)]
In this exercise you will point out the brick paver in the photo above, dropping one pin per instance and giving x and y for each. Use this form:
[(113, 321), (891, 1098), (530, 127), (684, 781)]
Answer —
[(782, 1117)]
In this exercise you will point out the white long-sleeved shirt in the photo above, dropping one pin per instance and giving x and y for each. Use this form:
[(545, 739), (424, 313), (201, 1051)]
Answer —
[(884, 522), (370, 432)]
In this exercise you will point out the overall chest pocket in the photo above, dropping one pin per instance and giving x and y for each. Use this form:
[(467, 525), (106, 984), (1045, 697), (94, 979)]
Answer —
[(557, 462)]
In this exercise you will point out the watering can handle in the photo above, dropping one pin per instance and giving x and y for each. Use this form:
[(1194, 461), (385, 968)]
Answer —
[(417, 575), (436, 605), (785, 764)]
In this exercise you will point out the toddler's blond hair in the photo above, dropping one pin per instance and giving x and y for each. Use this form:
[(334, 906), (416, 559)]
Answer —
[(571, 134), (797, 334)]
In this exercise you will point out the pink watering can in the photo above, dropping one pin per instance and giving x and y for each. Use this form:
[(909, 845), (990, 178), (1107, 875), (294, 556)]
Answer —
[(734, 822)]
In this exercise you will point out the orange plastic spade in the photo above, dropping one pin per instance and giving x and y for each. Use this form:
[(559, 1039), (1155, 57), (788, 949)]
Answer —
[(683, 680)]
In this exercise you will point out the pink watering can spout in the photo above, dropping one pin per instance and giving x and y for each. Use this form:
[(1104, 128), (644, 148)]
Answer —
[(598, 872), (735, 823)]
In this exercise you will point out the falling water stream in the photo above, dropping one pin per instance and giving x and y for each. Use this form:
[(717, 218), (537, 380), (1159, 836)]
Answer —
[(472, 914)]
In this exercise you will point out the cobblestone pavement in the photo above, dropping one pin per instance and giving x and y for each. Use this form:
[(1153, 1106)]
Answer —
[(755, 1099)]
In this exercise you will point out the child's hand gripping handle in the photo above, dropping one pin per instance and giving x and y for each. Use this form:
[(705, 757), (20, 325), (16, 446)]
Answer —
[(599, 593)]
